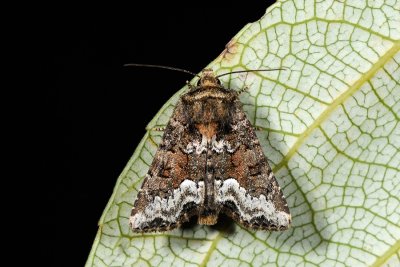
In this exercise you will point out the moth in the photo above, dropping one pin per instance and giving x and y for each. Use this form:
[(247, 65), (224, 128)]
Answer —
[(209, 162)]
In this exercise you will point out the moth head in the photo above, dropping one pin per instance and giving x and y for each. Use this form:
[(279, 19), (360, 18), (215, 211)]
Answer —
[(208, 79)]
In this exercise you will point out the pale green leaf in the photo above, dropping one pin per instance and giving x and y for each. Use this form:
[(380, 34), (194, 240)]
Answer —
[(331, 132)]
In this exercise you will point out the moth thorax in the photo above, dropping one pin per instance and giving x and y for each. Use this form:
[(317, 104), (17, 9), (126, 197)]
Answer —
[(210, 111)]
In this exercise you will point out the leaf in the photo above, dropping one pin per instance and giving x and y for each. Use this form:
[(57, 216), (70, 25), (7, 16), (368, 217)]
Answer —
[(331, 129)]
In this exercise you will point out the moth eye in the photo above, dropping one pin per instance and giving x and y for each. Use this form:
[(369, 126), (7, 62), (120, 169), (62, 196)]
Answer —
[(219, 82), (199, 82)]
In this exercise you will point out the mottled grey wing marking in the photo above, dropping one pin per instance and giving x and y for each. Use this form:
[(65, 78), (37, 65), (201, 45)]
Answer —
[(247, 188), (170, 194)]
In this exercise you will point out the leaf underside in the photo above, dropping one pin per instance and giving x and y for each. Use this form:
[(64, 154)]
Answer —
[(330, 129)]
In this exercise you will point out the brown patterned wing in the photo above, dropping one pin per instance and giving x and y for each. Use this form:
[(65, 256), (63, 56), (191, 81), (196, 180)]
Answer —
[(245, 184), (170, 194)]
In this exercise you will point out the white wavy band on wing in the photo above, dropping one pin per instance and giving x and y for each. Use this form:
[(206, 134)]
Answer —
[(249, 207), (169, 209)]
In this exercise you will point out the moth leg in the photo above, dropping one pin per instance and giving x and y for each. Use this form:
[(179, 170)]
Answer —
[(189, 85), (245, 89), (158, 129)]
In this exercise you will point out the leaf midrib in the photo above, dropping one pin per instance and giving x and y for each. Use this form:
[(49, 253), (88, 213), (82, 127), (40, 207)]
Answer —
[(338, 101), (390, 252)]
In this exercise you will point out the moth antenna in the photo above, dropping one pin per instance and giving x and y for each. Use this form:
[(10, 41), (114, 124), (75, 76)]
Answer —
[(241, 71), (160, 67)]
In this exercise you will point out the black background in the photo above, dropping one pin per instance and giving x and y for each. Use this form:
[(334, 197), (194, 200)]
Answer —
[(92, 111)]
